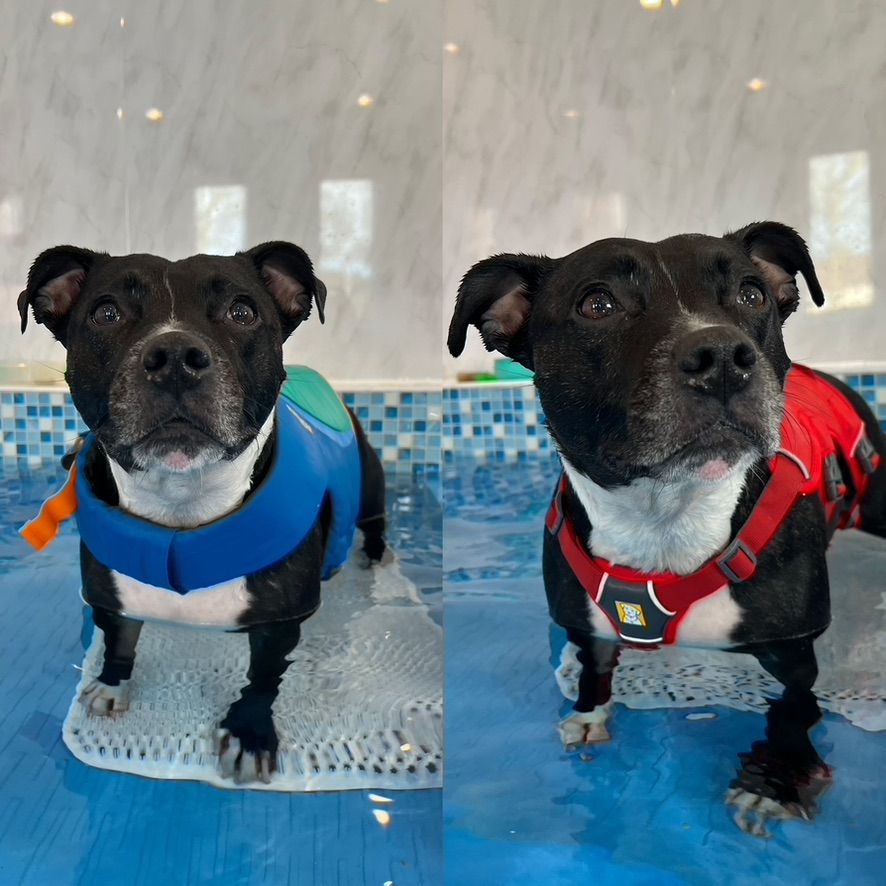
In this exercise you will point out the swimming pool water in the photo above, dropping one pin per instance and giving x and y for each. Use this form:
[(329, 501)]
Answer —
[(645, 808), (64, 823)]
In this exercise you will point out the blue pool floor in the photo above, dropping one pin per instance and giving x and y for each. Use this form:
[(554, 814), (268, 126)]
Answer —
[(62, 822), (645, 808)]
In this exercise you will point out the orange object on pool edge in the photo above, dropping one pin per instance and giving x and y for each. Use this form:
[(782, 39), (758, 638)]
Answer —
[(59, 507)]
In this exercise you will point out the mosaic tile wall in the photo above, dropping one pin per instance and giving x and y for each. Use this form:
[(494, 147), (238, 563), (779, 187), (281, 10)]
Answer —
[(497, 422), (403, 426), (409, 429), (494, 422)]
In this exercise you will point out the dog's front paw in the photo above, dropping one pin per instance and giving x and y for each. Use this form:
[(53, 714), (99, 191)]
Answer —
[(246, 742), (101, 700), (585, 728), (769, 789), (754, 812), (242, 760)]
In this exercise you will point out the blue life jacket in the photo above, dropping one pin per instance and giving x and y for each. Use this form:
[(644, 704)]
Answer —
[(312, 461)]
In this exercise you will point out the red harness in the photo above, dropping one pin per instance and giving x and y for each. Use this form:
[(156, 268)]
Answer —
[(820, 431)]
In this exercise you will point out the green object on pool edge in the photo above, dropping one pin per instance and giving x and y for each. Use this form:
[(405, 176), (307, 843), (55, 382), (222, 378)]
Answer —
[(309, 390)]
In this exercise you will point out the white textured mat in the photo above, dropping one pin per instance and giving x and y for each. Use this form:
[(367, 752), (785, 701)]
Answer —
[(359, 707), (851, 654)]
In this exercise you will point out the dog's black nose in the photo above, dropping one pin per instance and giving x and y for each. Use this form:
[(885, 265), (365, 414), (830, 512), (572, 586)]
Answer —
[(715, 360), (176, 359)]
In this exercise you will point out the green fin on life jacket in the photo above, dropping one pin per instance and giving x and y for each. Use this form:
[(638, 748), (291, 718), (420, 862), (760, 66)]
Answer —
[(311, 392)]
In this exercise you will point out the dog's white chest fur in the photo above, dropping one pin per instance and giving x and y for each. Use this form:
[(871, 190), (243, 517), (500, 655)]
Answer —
[(675, 528), (184, 500), (655, 527), (220, 606)]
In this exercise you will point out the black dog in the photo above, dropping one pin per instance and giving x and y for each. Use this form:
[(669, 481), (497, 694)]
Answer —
[(664, 379), (176, 368)]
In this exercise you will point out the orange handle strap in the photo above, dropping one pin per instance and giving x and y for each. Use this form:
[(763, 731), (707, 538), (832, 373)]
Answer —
[(59, 507)]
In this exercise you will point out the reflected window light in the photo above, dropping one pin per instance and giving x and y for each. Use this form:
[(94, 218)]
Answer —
[(11, 211), (220, 219), (840, 228), (346, 227)]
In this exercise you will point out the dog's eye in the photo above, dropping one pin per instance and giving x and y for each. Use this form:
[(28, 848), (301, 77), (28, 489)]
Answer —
[(105, 314), (751, 295), (242, 312), (597, 304)]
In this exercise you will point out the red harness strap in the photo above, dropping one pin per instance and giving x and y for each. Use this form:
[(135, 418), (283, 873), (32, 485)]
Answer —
[(648, 608), (672, 595)]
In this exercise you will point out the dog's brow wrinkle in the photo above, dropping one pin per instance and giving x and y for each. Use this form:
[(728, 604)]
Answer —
[(171, 295), (132, 282), (626, 265), (668, 277), (723, 264)]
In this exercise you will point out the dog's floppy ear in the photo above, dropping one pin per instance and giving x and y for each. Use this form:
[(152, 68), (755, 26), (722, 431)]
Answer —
[(779, 252), (54, 283), (288, 275), (496, 295)]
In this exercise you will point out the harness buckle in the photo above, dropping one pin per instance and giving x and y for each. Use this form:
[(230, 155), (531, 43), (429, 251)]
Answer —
[(868, 457), (834, 485), (731, 564)]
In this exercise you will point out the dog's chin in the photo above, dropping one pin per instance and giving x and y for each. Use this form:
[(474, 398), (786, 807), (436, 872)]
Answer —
[(708, 466), (711, 456), (177, 447)]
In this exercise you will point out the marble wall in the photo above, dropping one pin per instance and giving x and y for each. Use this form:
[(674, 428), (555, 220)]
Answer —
[(570, 121), (561, 123), (263, 136)]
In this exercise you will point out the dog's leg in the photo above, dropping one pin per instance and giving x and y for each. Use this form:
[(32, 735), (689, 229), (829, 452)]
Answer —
[(247, 741), (109, 693), (371, 519), (587, 722), (782, 777)]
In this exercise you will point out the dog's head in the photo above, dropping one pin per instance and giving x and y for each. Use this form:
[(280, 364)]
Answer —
[(662, 360), (176, 364)]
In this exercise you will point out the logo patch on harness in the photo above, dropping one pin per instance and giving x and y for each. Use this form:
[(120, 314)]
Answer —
[(630, 614)]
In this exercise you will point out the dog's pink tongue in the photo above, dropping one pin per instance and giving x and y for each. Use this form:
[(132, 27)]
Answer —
[(177, 461), (715, 469)]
